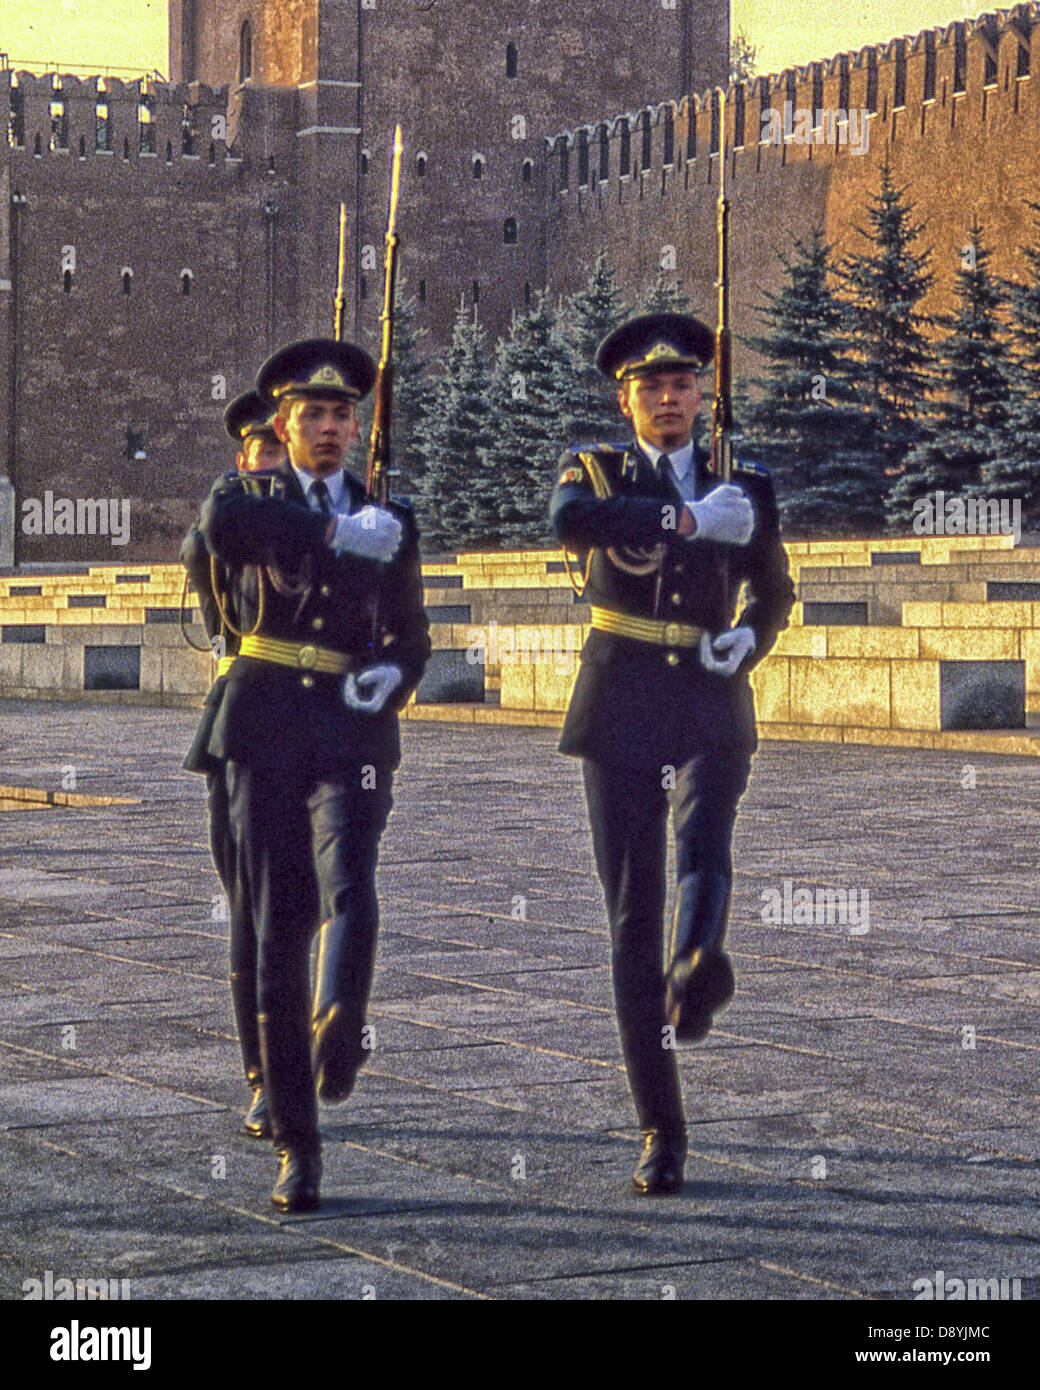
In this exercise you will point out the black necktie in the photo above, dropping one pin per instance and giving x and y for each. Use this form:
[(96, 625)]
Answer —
[(321, 494), (664, 467)]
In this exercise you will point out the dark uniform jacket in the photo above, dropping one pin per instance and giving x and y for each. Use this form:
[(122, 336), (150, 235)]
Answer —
[(640, 704), (265, 537), (196, 559)]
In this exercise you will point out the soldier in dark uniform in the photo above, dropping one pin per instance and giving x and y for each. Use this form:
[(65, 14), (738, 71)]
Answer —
[(247, 421), (326, 593), (662, 711)]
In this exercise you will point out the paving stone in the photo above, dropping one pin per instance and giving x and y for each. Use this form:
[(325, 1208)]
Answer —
[(488, 1148)]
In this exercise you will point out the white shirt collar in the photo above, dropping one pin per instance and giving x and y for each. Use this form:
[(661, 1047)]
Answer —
[(681, 459), (333, 481)]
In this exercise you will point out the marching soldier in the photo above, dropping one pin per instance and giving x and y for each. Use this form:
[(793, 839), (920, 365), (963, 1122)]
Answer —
[(326, 594), (662, 711), (247, 421)]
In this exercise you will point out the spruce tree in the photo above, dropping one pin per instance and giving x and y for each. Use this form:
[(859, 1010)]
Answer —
[(1014, 471), (965, 422), (457, 421), (664, 297), (411, 395), (530, 378), (588, 403), (804, 424), (882, 287)]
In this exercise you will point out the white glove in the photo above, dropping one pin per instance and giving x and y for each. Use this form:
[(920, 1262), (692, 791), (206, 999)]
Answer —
[(739, 642), (380, 681), (372, 533), (724, 515)]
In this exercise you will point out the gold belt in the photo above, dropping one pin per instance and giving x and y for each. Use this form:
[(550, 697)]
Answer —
[(303, 657), (646, 629), (224, 665)]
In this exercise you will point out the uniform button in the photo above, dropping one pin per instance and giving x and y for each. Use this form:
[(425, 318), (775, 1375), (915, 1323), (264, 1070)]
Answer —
[(672, 658), (325, 591), (306, 682), (677, 598), (318, 624)]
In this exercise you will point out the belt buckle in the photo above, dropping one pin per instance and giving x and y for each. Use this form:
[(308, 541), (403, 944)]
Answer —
[(307, 657), (672, 634)]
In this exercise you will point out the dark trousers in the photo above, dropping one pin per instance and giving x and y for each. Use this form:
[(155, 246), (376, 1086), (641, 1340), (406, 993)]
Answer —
[(628, 810), (243, 935), (294, 831)]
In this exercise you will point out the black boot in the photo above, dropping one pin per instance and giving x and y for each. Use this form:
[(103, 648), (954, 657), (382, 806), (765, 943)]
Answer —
[(341, 985), (297, 1186), (660, 1169), (257, 1123), (293, 1110), (700, 978), (243, 1002)]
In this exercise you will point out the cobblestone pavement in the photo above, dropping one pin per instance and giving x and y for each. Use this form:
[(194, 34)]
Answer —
[(863, 1116)]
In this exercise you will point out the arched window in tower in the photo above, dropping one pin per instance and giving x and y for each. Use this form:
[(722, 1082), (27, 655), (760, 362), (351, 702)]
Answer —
[(82, 147), (245, 51), (366, 159), (421, 161), (422, 291), (511, 231), (169, 152), (127, 276), (647, 123), (478, 166), (511, 59), (476, 292), (186, 282), (604, 153), (37, 147), (16, 118), (583, 159), (527, 171), (212, 154), (66, 281), (625, 149), (527, 294), (668, 156), (126, 147), (565, 164), (270, 163)]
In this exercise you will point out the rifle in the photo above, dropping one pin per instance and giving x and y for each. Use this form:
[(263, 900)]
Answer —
[(341, 283), (377, 480), (722, 408)]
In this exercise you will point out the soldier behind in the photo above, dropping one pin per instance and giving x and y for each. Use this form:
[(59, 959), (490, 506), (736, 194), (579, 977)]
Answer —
[(662, 710), (327, 594), (247, 421)]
